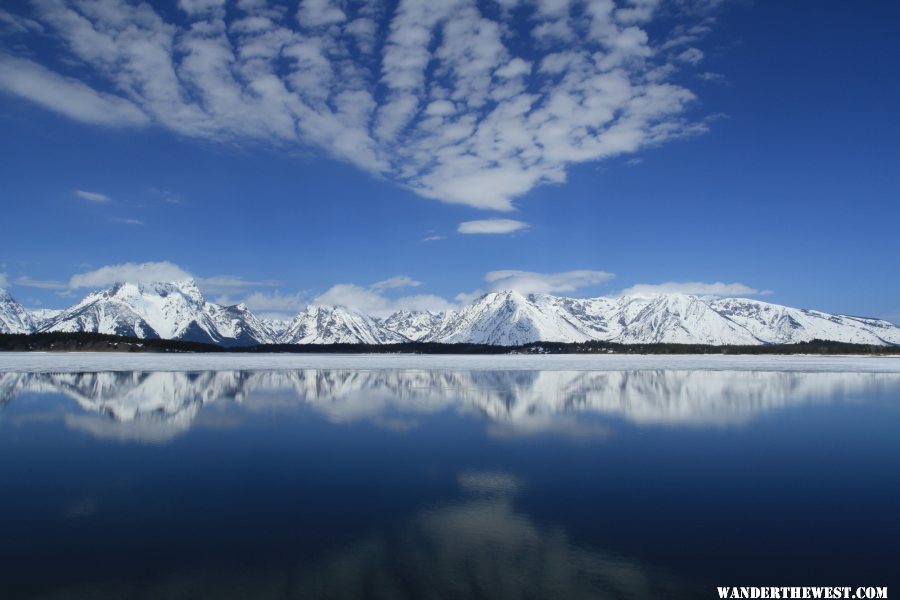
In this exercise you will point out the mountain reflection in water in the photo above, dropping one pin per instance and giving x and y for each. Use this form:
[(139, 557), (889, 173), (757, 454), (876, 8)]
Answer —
[(157, 406), (444, 483)]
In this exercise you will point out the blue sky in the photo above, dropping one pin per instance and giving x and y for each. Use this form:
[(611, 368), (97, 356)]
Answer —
[(417, 153)]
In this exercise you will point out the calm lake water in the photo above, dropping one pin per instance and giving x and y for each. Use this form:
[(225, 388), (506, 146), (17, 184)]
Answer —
[(445, 482)]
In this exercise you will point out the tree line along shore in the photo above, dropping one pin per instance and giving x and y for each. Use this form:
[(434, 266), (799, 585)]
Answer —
[(97, 342)]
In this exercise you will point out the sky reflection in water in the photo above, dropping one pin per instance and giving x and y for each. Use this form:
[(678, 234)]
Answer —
[(443, 483)]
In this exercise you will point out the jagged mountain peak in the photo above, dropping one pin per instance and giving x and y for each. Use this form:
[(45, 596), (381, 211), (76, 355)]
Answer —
[(169, 310), (177, 310), (510, 318), (416, 325), (675, 318), (320, 324), (186, 287), (13, 316)]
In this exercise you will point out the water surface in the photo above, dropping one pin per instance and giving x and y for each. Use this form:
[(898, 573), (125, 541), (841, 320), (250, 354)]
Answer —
[(440, 482)]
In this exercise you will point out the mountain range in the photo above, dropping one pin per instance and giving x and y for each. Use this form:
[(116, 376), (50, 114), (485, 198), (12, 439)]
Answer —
[(177, 310)]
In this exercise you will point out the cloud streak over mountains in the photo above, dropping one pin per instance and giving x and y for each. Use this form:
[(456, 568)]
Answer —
[(380, 299), (695, 287), (460, 101)]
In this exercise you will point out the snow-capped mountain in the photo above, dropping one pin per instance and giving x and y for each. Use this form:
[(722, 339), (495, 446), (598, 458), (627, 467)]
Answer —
[(337, 325), (174, 310), (673, 319), (771, 323), (510, 318), (13, 317), (178, 310), (418, 326)]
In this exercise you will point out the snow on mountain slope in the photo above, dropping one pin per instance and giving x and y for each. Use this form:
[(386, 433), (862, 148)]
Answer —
[(415, 325), (510, 318), (673, 319), (179, 311), (337, 325), (275, 328), (13, 317), (237, 326), (772, 323), (42, 316), (174, 310)]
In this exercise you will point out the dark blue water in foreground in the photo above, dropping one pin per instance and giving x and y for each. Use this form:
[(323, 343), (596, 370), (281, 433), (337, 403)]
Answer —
[(446, 484)]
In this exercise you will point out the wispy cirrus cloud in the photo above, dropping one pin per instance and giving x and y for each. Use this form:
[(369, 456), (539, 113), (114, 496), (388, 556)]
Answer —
[(691, 55), (492, 226), (92, 196), (222, 284), (65, 95), (455, 102), (400, 281), (529, 282), (10, 24), (698, 288), (44, 284)]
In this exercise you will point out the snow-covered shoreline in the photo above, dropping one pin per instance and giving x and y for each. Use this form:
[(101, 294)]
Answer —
[(73, 362)]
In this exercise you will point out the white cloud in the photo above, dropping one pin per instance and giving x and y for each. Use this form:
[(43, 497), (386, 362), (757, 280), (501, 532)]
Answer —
[(637, 11), (528, 282), (691, 56), (434, 238), (373, 302), (273, 305), (315, 13), (194, 7), (466, 298), (163, 271), (375, 299), (448, 107), (129, 272), (694, 287), (92, 196), (65, 95), (3, 280), (492, 226)]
